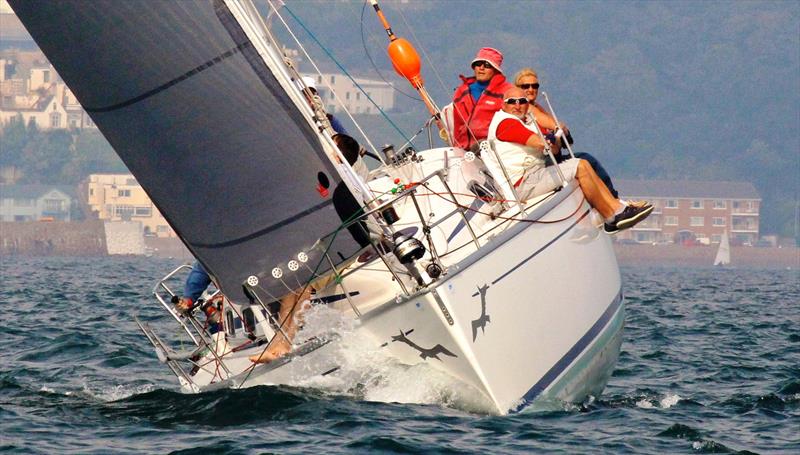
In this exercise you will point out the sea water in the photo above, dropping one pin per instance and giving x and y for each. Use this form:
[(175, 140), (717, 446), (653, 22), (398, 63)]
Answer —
[(710, 363)]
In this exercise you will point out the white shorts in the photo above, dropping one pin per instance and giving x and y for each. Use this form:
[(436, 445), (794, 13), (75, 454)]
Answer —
[(546, 179)]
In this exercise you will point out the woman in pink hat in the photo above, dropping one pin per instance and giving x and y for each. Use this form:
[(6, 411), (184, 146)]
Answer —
[(478, 98)]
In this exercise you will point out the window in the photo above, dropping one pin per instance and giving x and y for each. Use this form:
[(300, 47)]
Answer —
[(735, 204), (319, 79), (696, 221), (55, 119), (716, 238), (162, 228), (719, 221), (720, 205), (670, 221), (53, 205), (91, 191), (46, 76), (123, 211), (671, 204), (142, 211), (24, 202), (358, 95), (696, 204), (347, 96), (124, 193), (333, 79)]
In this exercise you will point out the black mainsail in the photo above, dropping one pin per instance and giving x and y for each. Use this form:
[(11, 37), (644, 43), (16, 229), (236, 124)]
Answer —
[(201, 120)]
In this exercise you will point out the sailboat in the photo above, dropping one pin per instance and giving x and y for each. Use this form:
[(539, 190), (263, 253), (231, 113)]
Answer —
[(723, 257), (203, 107)]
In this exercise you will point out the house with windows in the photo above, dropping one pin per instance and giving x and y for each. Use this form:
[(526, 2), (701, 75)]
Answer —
[(119, 197), (32, 92), (694, 211), (35, 203), (354, 100)]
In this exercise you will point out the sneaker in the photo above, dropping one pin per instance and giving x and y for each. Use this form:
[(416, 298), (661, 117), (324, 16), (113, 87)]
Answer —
[(637, 203), (628, 218)]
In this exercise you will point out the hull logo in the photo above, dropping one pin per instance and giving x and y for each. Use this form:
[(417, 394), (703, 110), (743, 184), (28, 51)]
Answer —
[(484, 318), (424, 353)]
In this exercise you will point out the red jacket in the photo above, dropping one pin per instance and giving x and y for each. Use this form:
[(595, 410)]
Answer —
[(471, 119)]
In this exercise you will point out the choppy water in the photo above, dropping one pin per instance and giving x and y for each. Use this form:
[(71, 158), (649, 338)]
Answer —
[(710, 364)]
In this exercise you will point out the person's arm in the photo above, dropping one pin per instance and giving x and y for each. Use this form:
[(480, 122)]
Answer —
[(545, 120), (512, 130)]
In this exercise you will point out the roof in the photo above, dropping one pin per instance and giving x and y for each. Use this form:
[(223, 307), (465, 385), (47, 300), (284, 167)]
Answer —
[(686, 189), (32, 191)]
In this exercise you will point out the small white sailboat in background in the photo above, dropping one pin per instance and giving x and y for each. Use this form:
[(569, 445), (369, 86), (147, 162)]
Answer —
[(723, 252)]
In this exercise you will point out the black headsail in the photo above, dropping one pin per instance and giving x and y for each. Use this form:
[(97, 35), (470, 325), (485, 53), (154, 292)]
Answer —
[(199, 118)]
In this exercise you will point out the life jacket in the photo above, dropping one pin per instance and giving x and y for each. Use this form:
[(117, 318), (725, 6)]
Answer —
[(470, 118), (517, 159)]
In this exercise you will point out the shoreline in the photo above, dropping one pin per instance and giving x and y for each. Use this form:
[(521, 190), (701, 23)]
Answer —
[(88, 238), (703, 256)]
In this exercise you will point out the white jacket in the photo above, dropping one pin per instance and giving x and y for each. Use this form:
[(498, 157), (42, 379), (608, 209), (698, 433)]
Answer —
[(518, 159)]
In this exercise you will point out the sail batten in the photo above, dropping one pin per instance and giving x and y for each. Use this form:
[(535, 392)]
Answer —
[(205, 125)]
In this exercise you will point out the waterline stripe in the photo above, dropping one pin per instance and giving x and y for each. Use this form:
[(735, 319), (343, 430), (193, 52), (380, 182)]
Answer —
[(571, 355)]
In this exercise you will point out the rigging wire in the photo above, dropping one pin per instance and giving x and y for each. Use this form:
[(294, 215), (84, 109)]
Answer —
[(346, 73), (372, 62), (422, 47)]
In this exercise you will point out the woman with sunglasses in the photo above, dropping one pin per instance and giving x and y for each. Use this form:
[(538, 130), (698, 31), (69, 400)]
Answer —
[(528, 81)]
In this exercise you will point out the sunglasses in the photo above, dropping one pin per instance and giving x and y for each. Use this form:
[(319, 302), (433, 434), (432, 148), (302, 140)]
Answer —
[(516, 100), (529, 86), (482, 63)]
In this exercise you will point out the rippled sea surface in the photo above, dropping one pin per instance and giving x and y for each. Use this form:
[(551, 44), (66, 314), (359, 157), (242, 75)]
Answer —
[(710, 363)]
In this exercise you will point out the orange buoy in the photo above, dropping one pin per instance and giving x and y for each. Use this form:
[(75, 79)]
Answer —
[(406, 61)]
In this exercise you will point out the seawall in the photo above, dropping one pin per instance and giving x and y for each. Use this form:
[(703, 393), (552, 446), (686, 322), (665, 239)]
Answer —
[(88, 238), (56, 238), (703, 256)]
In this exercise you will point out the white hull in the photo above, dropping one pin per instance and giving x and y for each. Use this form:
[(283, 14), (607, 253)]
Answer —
[(533, 314), (531, 317)]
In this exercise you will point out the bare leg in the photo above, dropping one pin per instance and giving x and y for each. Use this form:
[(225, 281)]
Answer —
[(596, 191), (291, 310)]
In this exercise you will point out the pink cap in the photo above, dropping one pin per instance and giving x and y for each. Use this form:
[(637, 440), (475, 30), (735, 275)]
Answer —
[(491, 55)]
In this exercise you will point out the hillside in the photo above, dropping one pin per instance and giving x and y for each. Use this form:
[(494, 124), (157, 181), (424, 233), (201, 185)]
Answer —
[(675, 90), (671, 90)]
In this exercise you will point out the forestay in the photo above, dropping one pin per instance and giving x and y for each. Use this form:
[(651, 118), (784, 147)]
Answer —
[(204, 124)]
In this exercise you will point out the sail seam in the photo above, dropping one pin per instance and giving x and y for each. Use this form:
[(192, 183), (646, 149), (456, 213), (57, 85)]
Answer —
[(173, 82), (266, 230)]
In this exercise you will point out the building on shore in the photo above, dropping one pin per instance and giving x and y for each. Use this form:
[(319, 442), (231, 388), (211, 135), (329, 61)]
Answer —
[(354, 100), (20, 203), (33, 93), (694, 211), (119, 197)]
